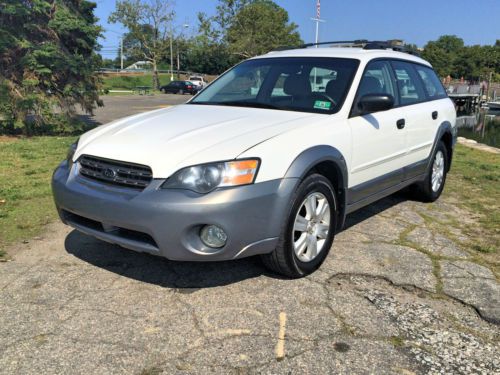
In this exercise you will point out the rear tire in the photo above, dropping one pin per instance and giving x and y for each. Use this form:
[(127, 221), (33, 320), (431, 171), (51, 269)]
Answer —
[(431, 188), (308, 230)]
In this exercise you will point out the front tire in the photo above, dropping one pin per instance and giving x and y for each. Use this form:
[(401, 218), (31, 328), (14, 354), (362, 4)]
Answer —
[(431, 188), (308, 230)]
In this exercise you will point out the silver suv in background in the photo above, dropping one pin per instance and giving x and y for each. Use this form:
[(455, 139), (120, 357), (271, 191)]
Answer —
[(198, 81)]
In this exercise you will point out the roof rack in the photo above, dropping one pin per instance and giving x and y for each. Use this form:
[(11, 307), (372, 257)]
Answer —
[(351, 43), (394, 44)]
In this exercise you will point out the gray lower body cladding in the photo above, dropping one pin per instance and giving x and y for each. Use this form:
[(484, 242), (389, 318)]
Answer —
[(168, 222)]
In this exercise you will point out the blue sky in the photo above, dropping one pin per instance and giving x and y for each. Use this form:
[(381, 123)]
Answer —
[(415, 21)]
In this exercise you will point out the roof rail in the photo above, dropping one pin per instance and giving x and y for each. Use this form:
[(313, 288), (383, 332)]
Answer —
[(394, 44), (358, 42)]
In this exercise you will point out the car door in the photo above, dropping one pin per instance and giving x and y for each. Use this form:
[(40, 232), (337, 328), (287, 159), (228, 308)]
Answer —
[(378, 139), (170, 87), (417, 116), (432, 116)]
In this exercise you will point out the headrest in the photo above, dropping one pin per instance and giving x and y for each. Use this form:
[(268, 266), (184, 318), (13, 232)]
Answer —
[(297, 85), (331, 87)]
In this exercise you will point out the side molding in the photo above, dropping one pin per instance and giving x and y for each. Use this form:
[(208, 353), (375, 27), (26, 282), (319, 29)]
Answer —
[(313, 156), (371, 191)]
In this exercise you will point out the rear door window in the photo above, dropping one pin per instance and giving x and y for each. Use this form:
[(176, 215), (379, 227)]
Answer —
[(432, 85), (410, 88)]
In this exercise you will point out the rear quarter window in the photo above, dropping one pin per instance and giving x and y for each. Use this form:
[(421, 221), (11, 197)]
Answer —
[(432, 85)]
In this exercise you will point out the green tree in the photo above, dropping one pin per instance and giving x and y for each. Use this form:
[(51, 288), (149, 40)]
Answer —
[(241, 29), (47, 60), (206, 52), (149, 24), (260, 27), (449, 56), (444, 53), (227, 10), (133, 47), (207, 57)]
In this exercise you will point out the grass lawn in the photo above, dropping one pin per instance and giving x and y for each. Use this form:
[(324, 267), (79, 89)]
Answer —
[(474, 182), (26, 204), (26, 166)]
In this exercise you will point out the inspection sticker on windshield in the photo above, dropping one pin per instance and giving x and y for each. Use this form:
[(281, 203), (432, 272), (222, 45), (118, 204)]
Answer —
[(319, 104)]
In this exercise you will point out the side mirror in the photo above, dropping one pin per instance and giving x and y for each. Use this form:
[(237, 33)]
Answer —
[(375, 103)]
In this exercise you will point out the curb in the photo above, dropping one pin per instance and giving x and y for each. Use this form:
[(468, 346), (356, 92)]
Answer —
[(478, 146)]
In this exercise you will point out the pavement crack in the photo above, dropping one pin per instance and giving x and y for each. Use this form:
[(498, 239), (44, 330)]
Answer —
[(439, 294)]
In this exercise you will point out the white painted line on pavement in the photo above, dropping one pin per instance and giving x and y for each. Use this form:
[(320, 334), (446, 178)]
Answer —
[(280, 346)]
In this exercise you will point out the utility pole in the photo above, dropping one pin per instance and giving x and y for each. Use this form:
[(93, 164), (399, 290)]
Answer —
[(121, 53), (490, 78), (171, 53), (317, 20)]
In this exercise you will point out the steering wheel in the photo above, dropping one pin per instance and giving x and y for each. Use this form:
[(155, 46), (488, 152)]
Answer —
[(324, 96)]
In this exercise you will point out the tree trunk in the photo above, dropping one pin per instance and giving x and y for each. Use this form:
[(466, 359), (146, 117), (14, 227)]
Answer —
[(156, 78)]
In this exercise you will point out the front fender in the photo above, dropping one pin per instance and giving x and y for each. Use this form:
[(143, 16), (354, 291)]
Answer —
[(329, 157)]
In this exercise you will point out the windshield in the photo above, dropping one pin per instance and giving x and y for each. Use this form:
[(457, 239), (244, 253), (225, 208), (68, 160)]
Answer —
[(306, 84)]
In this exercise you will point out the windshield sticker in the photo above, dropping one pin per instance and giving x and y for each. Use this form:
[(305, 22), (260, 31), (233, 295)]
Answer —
[(319, 104)]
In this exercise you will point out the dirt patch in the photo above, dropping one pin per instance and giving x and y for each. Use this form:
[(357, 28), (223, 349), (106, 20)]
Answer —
[(8, 139)]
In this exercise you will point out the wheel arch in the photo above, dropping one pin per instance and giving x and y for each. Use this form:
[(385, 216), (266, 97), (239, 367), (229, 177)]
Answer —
[(447, 134), (329, 162)]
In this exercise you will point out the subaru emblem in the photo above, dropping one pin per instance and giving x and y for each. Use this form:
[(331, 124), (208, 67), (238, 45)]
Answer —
[(109, 173)]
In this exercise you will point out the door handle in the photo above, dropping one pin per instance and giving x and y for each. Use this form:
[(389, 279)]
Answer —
[(434, 115), (400, 123)]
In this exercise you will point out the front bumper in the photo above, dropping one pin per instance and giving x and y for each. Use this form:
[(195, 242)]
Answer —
[(168, 222)]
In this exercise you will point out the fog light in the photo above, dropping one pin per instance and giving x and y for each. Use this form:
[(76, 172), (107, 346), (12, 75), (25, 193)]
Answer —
[(213, 236)]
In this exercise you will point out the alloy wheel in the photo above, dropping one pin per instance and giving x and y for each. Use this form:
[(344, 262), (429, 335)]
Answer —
[(311, 227), (437, 171)]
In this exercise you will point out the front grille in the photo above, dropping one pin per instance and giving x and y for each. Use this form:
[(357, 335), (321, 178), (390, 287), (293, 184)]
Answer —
[(115, 172)]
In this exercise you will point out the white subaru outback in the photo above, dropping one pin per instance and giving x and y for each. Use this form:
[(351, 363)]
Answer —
[(267, 160)]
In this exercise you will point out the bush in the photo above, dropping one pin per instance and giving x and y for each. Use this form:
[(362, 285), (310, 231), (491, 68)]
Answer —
[(48, 60), (57, 124)]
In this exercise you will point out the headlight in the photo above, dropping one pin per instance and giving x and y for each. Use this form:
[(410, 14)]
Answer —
[(71, 152), (207, 177)]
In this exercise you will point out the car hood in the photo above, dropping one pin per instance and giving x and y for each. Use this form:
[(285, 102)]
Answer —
[(189, 134)]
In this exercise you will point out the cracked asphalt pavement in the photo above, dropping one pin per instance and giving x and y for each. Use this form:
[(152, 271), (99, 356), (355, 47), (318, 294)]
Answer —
[(74, 304), (395, 296)]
